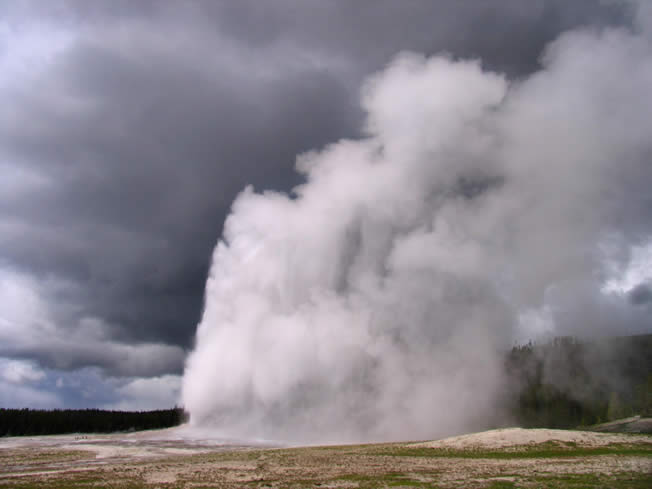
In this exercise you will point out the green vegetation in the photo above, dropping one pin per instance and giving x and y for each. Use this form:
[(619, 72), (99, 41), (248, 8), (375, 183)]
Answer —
[(19, 422), (568, 383)]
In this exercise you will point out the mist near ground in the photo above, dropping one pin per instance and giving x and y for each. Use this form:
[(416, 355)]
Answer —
[(375, 301)]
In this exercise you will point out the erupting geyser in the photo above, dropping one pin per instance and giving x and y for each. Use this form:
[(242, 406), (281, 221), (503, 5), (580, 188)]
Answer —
[(371, 303)]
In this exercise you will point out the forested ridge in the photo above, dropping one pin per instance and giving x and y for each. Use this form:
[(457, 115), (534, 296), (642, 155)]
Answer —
[(18, 422), (566, 382)]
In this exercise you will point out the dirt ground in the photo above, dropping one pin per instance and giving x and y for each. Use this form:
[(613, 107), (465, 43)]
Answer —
[(494, 459)]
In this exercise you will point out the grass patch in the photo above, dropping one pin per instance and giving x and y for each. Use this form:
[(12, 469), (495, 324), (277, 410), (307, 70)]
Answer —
[(390, 479), (501, 485)]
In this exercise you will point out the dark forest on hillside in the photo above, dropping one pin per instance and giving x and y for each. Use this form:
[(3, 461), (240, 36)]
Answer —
[(569, 383), (18, 422)]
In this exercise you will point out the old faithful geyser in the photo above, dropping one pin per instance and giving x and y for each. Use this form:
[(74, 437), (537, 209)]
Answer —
[(371, 302)]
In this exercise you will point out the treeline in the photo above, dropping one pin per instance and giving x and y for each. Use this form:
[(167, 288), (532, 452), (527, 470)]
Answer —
[(18, 422), (567, 383)]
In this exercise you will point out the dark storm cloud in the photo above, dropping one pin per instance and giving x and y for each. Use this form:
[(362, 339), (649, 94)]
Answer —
[(641, 294), (506, 34), (125, 151), (140, 179)]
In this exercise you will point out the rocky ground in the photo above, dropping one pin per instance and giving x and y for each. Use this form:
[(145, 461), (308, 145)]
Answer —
[(494, 459)]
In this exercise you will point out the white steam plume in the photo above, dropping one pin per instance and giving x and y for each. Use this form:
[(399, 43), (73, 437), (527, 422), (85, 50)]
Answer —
[(371, 303)]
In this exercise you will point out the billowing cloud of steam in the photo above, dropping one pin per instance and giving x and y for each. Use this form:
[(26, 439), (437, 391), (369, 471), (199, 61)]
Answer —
[(371, 303)]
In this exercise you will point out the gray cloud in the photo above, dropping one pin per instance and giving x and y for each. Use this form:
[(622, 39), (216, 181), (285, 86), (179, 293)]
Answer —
[(641, 294), (35, 325), (132, 184), (508, 35)]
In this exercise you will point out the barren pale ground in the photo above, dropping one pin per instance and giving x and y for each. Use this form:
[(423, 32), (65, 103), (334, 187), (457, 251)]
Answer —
[(494, 459)]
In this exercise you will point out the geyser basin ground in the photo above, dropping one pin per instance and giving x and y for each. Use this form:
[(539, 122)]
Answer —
[(168, 458)]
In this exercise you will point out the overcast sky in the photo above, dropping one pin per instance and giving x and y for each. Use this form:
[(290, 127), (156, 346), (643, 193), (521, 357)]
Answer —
[(128, 128)]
